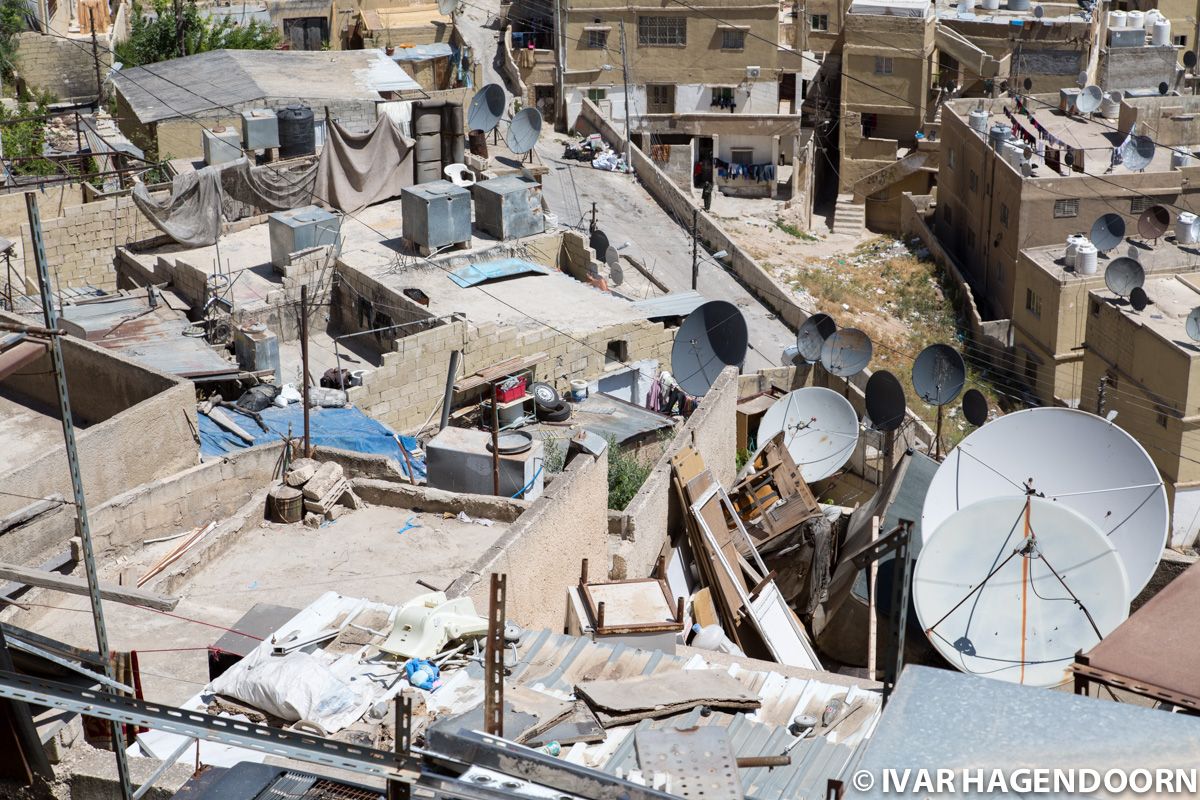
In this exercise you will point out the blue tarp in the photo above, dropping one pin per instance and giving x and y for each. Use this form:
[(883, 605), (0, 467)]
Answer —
[(343, 428)]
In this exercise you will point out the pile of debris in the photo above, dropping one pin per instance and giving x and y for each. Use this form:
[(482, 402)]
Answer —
[(313, 490)]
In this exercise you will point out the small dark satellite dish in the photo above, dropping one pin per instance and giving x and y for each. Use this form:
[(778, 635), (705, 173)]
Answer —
[(938, 374), (1081, 79), (846, 352), (1028, 84), (1123, 276), (975, 407), (712, 337), (524, 130), (599, 242), (1138, 298), (885, 401), (1192, 326), (1107, 231), (812, 335), (1163, 88), (487, 106), (616, 273), (1154, 222), (1038, 12), (1189, 59), (1134, 253)]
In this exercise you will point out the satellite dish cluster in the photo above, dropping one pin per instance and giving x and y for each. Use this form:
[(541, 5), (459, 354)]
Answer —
[(487, 110)]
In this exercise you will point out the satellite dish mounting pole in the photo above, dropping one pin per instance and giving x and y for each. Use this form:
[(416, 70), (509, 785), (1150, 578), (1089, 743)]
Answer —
[(695, 252), (935, 450)]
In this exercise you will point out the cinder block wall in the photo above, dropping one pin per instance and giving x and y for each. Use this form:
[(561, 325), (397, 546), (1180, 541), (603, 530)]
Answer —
[(63, 67)]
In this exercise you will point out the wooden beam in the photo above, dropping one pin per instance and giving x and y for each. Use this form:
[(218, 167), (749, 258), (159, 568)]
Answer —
[(70, 585), (23, 515)]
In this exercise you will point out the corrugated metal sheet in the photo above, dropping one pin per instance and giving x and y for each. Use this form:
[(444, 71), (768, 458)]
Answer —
[(675, 304), (475, 274), (612, 417)]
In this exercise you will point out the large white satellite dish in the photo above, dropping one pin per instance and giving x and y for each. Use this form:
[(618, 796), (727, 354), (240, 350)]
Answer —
[(1011, 588), (820, 430), (1075, 458)]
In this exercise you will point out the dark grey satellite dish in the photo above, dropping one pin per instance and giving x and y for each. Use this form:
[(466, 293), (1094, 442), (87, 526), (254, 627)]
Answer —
[(1123, 276), (1038, 13), (1192, 326), (616, 273), (1028, 84), (1089, 99), (885, 401), (1134, 253), (712, 337), (1138, 298), (975, 407), (1163, 88), (599, 242), (812, 335), (1137, 153), (938, 374), (1189, 59), (487, 106), (1107, 232), (846, 352), (1154, 222), (524, 130)]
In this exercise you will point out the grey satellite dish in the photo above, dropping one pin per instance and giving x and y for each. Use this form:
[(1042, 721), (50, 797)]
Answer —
[(447, 7), (791, 357), (712, 337), (1134, 253), (1011, 587), (1192, 326), (846, 352), (938, 374), (1138, 298), (1107, 232), (524, 130), (1154, 222), (1123, 276), (1164, 87), (812, 335), (1189, 59), (599, 242), (616, 273), (487, 106), (1081, 79), (1089, 99), (1071, 457), (819, 427), (1137, 153), (885, 401), (975, 407)]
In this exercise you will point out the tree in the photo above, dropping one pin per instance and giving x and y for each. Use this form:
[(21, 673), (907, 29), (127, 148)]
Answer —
[(152, 37), (14, 18)]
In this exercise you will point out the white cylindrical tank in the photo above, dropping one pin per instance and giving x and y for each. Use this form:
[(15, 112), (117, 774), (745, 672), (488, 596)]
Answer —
[(966, 7), (990, 5), (1161, 35), (1135, 19), (1073, 242), (978, 120), (1152, 16), (1117, 19), (1110, 106), (998, 135), (1085, 258), (1180, 159), (1185, 228)]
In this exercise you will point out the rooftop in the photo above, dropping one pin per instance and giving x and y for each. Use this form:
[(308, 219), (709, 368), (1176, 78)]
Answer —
[(1167, 256), (1172, 298), (404, 17), (892, 8), (221, 78), (1052, 13)]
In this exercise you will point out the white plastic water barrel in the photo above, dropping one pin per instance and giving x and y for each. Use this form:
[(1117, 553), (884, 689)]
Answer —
[(1117, 19), (1073, 242), (1135, 19), (1185, 228), (1085, 258), (1161, 35), (978, 120)]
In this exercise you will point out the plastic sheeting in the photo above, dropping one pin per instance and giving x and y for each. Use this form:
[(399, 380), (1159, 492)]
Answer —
[(359, 169), (343, 428)]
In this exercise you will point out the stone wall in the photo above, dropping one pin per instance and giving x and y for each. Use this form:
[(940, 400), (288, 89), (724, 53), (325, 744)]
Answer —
[(541, 552), (62, 66)]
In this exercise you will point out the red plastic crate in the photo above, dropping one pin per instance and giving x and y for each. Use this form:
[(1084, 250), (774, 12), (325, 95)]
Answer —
[(515, 392)]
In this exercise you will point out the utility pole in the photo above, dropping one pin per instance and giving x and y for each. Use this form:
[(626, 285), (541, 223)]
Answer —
[(304, 360), (695, 250), (625, 81), (81, 515), (95, 59), (560, 98)]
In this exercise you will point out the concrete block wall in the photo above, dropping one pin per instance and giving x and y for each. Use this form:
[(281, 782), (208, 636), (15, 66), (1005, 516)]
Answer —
[(541, 552), (362, 303), (63, 67), (408, 385)]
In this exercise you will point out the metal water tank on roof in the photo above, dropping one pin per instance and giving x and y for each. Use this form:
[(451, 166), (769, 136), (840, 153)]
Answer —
[(297, 134), (221, 145), (436, 214), (260, 129), (1185, 228), (509, 207), (299, 229)]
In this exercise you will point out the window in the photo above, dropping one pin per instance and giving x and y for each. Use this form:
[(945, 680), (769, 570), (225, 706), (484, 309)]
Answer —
[(1033, 303), (1004, 215), (733, 39), (660, 98), (662, 31), (818, 22), (1031, 371), (1139, 204), (1094, 307), (1066, 208), (306, 33), (616, 352), (597, 40), (596, 95), (722, 97), (741, 155), (973, 181), (883, 65), (1181, 41), (1162, 418)]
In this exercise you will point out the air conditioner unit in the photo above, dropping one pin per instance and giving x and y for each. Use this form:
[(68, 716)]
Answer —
[(752, 73)]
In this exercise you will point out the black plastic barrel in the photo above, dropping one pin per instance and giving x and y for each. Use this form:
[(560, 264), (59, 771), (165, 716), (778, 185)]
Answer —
[(297, 137)]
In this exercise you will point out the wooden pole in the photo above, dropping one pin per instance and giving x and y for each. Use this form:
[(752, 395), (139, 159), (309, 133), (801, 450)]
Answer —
[(96, 58), (304, 359)]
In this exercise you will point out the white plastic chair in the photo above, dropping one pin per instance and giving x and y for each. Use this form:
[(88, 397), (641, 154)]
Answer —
[(459, 174)]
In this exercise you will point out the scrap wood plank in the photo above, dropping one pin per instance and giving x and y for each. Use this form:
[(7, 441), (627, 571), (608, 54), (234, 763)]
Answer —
[(626, 700), (497, 371), (72, 585)]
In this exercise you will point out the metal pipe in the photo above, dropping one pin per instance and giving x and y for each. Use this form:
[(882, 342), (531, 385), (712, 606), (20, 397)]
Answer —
[(451, 374), (31, 329), (750, 762), (17, 644), (304, 358), (148, 784)]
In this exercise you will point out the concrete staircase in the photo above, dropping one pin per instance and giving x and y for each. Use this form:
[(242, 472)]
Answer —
[(849, 218)]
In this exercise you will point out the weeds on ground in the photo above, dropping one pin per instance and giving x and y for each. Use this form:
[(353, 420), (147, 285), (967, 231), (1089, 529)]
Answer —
[(792, 230)]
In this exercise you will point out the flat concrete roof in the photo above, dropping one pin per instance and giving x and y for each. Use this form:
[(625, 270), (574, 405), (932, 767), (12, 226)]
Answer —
[(27, 431), (1172, 298), (1166, 256), (1052, 13)]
